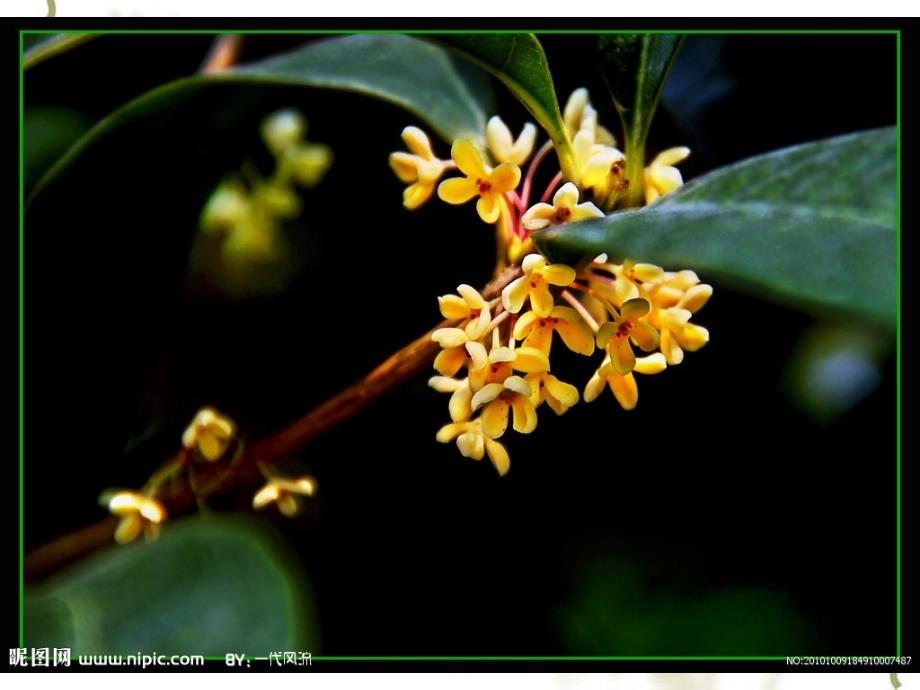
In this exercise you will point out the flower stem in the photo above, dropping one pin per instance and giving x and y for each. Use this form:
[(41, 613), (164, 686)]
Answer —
[(532, 170), (551, 187)]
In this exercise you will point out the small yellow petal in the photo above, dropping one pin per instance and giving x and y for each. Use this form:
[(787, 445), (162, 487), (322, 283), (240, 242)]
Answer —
[(577, 336), (488, 207), (499, 456), (471, 296), (538, 216), (671, 156), (449, 337), (670, 348), (694, 299), (541, 300), (499, 137), (129, 527), (559, 274), (564, 392), (530, 359), (405, 165), (645, 336), (449, 361), (692, 337), (450, 431), (460, 403), (505, 178), (634, 309), (471, 445), (622, 359), (417, 142), (495, 418), (457, 190), (524, 324), (417, 194), (501, 354), (288, 505), (525, 416), (453, 307), (651, 364), (486, 394), (478, 356), (468, 159), (625, 390), (594, 387), (518, 385), (514, 294), (586, 210), (533, 262), (267, 494)]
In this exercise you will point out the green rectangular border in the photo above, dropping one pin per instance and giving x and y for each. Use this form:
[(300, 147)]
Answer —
[(707, 32)]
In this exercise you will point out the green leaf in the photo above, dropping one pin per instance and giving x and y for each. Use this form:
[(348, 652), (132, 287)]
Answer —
[(519, 62), (205, 587), (39, 48), (813, 226), (636, 67), (409, 72)]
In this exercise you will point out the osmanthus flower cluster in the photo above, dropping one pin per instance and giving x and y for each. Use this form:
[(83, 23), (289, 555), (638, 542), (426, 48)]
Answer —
[(246, 210), (211, 437), (495, 362)]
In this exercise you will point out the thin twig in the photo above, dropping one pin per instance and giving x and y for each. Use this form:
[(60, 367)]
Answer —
[(183, 493), (224, 53)]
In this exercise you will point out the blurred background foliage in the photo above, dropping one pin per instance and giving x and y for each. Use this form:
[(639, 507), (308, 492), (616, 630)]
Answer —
[(731, 513)]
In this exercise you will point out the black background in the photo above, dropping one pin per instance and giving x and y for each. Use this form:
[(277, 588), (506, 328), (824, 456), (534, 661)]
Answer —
[(713, 482)]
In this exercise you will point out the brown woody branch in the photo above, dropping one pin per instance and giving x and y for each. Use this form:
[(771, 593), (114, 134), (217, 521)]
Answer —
[(196, 482)]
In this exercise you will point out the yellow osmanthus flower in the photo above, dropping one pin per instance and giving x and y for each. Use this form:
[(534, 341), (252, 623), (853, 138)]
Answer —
[(605, 172), (210, 432), (306, 163), (564, 209), (545, 387), (675, 298), (474, 443), (579, 114), (661, 177), (284, 493), (623, 386), (497, 398), (504, 148), (138, 514), (535, 285), (499, 363), (283, 130), (453, 354), (627, 327), (420, 169), (468, 305), (482, 181), (537, 331), (461, 395)]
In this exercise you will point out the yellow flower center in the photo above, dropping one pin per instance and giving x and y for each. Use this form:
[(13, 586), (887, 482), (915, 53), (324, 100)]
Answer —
[(483, 185), (562, 214)]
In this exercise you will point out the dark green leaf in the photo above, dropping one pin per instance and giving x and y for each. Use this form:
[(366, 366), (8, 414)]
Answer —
[(205, 587), (40, 47), (406, 71), (813, 225), (519, 62), (414, 74), (636, 67)]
